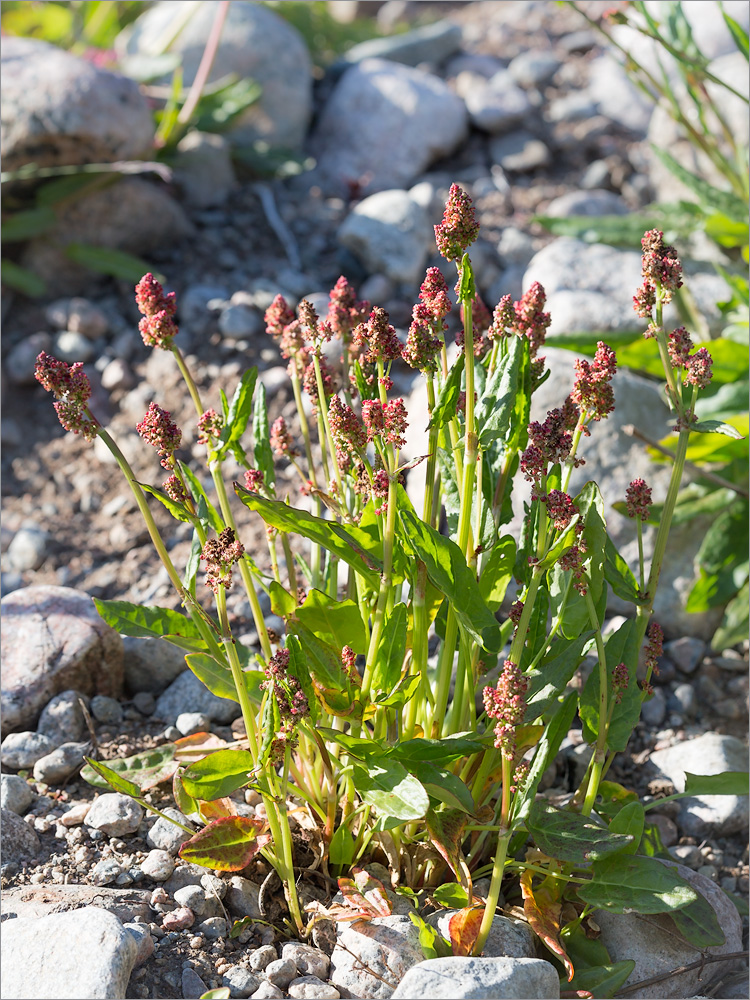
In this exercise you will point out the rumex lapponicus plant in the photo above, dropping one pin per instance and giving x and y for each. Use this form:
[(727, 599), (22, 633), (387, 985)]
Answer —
[(406, 714)]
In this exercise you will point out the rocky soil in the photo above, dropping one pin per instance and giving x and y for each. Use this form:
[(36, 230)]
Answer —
[(68, 520)]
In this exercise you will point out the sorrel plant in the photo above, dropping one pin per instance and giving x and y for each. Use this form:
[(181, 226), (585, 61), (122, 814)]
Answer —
[(432, 764)]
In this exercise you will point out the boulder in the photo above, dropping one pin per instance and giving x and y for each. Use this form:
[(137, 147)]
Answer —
[(456, 978)]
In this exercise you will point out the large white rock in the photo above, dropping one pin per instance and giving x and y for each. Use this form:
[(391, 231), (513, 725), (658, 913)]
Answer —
[(386, 946), (58, 109), (383, 125), (255, 43), (480, 979), (84, 953)]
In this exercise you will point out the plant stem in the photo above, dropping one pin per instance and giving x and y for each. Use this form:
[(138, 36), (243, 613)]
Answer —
[(600, 751)]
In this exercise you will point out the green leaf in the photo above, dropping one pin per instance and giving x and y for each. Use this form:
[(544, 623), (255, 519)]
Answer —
[(298, 668), (630, 821), (549, 679), (620, 647), (389, 659), (193, 563), (467, 290), (726, 783), (568, 836), (352, 545), (21, 279), (283, 603), (20, 226), (448, 571), (601, 981), (734, 624), (220, 993), (143, 770), (341, 850), (443, 785), (240, 409), (497, 572), (207, 513), (150, 621), (451, 895), (392, 791), (333, 686), (432, 943), (737, 32), (445, 407), (711, 197), (177, 510), (106, 260), (717, 427), (437, 751), (219, 774), (338, 623), (618, 574), (262, 453), (113, 779), (631, 882), (726, 539), (536, 636), (270, 726), (699, 924), (591, 512), (496, 406), (228, 844), (216, 676)]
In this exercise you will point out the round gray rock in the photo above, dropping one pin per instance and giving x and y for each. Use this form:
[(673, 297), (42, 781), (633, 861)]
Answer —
[(23, 750), (150, 664), (167, 836), (28, 548), (59, 765), (19, 839), (15, 793), (387, 946), (480, 979), (188, 694), (59, 110), (62, 719), (53, 640), (114, 814)]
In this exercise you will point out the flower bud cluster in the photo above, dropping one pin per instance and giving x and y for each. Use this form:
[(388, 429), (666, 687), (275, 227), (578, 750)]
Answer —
[(433, 294), (638, 499), (549, 442), (388, 420), (654, 647), (620, 681), (506, 704), (158, 429), (291, 699), (254, 479), (592, 391), (572, 560), (344, 311), (210, 426), (348, 432), (503, 319), (72, 391), (220, 554), (662, 273), (698, 366), (174, 489), (281, 439), (459, 227), (378, 338), (310, 382), (422, 347), (348, 661), (530, 319), (157, 328), (560, 508)]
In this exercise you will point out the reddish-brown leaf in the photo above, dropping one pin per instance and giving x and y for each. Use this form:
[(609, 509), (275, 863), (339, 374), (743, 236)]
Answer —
[(463, 929), (542, 911), (216, 809), (364, 898), (446, 831), (227, 844)]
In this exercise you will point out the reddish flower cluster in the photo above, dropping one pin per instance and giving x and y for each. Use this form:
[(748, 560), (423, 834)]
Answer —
[(459, 227), (699, 369), (592, 391), (679, 346), (348, 661), (503, 318), (311, 327), (516, 610), (348, 432), (654, 647), (310, 382), (422, 347), (394, 414), (291, 699), (72, 392), (662, 271), (572, 561), (530, 319), (174, 489), (560, 508), (278, 316), (638, 499), (254, 479), (157, 328), (620, 681), (281, 439), (158, 430), (434, 295), (344, 311), (210, 426), (506, 704), (378, 338), (549, 442), (220, 554)]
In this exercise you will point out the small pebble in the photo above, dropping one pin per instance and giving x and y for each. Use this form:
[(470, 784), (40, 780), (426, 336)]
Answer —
[(179, 919), (261, 958), (114, 814), (267, 991), (214, 885), (15, 793), (281, 972), (313, 988), (189, 723), (145, 702), (213, 928), (76, 815), (22, 750), (667, 829), (172, 733), (310, 961), (687, 854), (710, 871), (192, 984), (107, 710), (158, 865), (241, 983), (59, 765), (105, 872)]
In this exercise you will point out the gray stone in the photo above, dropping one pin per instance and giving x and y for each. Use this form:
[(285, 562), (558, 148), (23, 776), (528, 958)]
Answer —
[(71, 347), (215, 887), (144, 702), (19, 839), (654, 709), (115, 814), (133, 214), (616, 97), (60, 110), (685, 699), (573, 107), (188, 694), (387, 946), (667, 829), (118, 374), (710, 753), (508, 938), (241, 983), (203, 169), (86, 953), (592, 202), (256, 43), (28, 549), (480, 979), (143, 941), (313, 988), (686, 653), (240, 321), (519, 152), (429, 43), (62, 719), (184, 874), (106, 709), (40, 900), (202, 904), (59, 765), (105, 871), (15, 793), (515, 246), (383, 125), (158, 865), (23, 750), (19, 361), (192, 985), (308, 961), (267, 991), (391, 235), (167, 836), (656, 947), (213, 928), (494, 105), (192, 722), (151, 664), (53, 640), (281, 972), (79, 316), (261, 958), (534, 68)]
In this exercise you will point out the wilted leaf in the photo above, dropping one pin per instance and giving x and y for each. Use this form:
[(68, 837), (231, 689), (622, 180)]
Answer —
[(226, 845), (446, 831), (542, 911), (463, 929)]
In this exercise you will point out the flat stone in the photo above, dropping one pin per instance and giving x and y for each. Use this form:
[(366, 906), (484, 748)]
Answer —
[(106, 709), (534, 68), (429, 43), (307, 960), (312, 987), (143, 940), (15, 793), (241, 983), (480, 979), (710, 753), (387, 946), (594, 202), (39, 900), (242, 897), (59, 765), (686, 653), (53, 640), (656, 947), (19, 839), (62, 719), (187, 694), (151, 665), (260, 958), (267, 991), (86, 953), (213, 928), (200, 902), (23, 750), (192, 985), (115, 814), (494, 105)]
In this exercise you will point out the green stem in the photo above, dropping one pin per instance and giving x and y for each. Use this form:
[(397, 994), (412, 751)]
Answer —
[(498, 867), (600, 751)]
